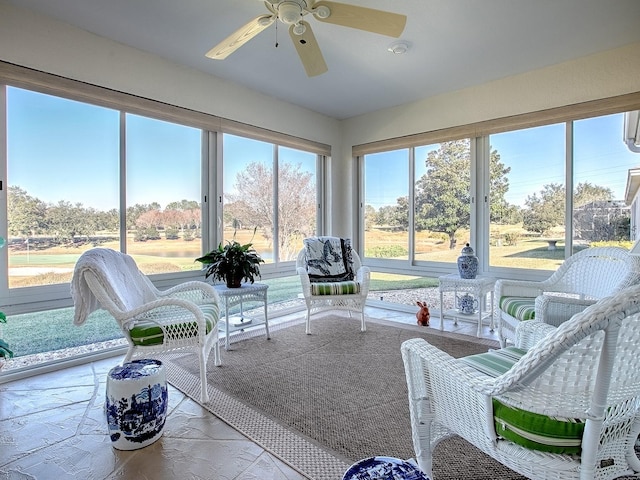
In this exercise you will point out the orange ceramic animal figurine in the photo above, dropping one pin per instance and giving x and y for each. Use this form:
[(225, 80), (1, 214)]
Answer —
[(423, 314)]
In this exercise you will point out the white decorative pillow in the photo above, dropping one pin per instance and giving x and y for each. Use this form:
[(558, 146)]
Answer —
[(329, 259)]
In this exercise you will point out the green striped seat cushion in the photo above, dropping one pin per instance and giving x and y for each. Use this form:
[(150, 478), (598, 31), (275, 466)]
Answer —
[(531, 430), (147, 333), (335, 288), (522, 308)]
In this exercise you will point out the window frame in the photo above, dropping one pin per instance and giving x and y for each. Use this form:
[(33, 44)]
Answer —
[(479, 135), (47, 297)]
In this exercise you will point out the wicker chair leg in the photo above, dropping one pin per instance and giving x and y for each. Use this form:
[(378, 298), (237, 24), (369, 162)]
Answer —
[(308, 328), (204, 394), (217, 361)]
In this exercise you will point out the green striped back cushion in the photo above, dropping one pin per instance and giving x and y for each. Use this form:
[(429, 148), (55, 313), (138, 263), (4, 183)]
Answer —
[(522, 308), (531, 430), (495, 362), (146, 333), (335, 288)]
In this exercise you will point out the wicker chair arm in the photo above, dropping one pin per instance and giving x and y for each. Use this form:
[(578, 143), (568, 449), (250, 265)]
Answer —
[(305, 281), (531, 332), (518, 288), (363, 277), (448, 368), (150, 309), (195, 291), (555, 310)]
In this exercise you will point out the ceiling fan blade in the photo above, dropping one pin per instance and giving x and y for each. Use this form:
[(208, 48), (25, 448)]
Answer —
[(363, 18), (240, 37), (308, 50)]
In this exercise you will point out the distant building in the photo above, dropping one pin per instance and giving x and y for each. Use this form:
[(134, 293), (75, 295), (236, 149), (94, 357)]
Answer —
[(602, 221), (632, 199)]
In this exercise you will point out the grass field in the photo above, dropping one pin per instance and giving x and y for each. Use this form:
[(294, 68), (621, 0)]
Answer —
[(55, 265)]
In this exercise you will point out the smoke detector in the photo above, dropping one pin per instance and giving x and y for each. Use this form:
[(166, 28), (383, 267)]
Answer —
[(398, 48)]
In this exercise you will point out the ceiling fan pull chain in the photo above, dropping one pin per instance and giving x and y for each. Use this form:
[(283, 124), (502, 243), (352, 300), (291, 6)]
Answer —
[(276, 34)]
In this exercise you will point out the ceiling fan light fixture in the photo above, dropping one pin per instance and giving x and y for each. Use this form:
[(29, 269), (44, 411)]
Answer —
[(299, 29), (322, 12), (398, 48), (289, 12)]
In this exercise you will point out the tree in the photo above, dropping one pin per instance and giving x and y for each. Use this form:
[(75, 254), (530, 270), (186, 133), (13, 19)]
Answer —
[(65, 220), (586, 193), (183, 215), (252, 204), (443, 193), (25, 213), (546, 209), (108, 221), (136, 210), (369, 217)]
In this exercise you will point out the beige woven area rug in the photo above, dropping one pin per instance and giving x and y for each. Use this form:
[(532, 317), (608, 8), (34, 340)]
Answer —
[(323, 401)]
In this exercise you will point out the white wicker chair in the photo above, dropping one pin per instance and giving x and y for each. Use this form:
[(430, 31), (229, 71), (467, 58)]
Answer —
[(352, 302), (587, 369), (581, 280), (153, 321)]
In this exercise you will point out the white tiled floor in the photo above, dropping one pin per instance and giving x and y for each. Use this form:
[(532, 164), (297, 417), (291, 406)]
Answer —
[(52, 426)]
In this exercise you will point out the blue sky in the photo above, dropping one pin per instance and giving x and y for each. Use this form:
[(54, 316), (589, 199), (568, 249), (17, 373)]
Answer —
[(536, 157), (163, 159), (46, 132)]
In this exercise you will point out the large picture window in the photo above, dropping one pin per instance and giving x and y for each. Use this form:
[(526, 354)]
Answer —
[(80, 175), (527, 190), (601, 162), (442, 200), (386, 196), (270, 196), (525, 198), (164, 220), (63, 184)]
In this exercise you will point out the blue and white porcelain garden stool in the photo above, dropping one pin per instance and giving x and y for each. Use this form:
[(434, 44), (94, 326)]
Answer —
[(136, 403)]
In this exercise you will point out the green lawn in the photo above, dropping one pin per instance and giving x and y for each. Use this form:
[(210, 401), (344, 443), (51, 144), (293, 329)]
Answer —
[(39, 332)]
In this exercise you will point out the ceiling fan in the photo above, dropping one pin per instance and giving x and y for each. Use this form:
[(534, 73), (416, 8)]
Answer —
[(292, 13)]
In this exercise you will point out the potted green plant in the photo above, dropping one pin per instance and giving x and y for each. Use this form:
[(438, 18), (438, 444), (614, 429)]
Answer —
[(232, 263)]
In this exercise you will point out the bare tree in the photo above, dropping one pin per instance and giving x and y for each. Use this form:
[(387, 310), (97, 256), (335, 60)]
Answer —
[(252, 204)]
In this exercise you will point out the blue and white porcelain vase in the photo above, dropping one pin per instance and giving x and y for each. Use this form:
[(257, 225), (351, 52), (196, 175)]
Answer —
[(467, 263)]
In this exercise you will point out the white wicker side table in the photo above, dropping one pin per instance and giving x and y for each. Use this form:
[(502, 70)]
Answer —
[(479, 287), (248, 292)]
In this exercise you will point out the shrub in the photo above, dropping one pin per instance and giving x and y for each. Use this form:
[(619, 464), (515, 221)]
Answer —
[(387, 251)]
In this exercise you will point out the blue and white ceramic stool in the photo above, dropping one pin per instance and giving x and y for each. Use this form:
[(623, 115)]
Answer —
[(384, 468), (136, 403)]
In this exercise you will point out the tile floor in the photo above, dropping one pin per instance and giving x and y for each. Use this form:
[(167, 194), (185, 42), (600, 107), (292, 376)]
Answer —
[(52, 426)]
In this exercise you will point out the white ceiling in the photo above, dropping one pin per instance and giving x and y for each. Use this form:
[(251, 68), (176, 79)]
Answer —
[(454, 44)]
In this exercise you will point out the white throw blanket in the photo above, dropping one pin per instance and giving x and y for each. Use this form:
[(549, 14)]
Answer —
[(119, 279)]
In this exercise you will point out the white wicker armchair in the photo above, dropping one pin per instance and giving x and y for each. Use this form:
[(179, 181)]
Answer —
[(581, 280), (586, 371), (183, 317), (322, 296)]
